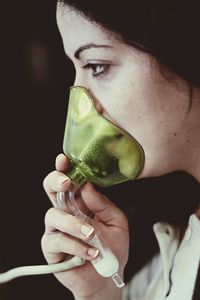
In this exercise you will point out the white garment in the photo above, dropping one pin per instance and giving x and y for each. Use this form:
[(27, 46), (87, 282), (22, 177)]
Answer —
[(170, 275)]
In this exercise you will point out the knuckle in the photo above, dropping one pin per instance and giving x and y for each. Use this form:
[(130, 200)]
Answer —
[(85, 252), (44, 241), (49, 215), (45, 181), (51, 243), (123, 219)]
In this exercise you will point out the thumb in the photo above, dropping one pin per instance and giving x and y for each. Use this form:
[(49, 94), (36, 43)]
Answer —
[(101, 206)]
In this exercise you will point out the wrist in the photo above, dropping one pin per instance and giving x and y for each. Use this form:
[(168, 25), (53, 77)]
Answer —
[(108, 291), (111, 294)]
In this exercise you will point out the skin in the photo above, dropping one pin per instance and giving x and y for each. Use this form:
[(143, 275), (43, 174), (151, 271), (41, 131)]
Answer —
[(132, 93)]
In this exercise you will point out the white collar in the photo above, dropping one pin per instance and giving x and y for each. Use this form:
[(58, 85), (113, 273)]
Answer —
[(170, 245)]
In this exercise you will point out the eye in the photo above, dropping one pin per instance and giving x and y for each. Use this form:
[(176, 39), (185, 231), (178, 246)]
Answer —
[(97, 69)]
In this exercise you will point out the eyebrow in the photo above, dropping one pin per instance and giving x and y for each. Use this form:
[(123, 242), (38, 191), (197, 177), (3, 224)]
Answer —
[(88, 46)]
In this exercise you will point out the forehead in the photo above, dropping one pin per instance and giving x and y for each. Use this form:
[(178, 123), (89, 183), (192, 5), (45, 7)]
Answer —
[(76, 29)]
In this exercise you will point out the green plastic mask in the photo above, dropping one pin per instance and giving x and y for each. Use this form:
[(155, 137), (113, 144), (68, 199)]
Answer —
[(100, 151)]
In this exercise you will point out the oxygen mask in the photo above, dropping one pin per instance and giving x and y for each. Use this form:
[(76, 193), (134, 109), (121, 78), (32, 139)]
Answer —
[(100, 151)]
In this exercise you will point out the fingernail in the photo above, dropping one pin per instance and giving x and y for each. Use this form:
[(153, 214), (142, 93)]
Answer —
[(62, 179), (93, 252), (60, 155), (87, 230)]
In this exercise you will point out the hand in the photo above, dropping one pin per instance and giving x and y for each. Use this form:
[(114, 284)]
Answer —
[(65, 234)]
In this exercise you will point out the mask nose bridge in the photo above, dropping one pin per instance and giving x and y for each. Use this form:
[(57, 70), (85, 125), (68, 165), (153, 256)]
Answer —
[(96, 102)]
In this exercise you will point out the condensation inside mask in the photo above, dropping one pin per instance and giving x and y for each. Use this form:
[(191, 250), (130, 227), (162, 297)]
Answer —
[(100, 151)]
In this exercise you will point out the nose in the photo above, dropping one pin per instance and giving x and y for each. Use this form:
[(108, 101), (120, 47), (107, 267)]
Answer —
[(80, 81), (76, 81)]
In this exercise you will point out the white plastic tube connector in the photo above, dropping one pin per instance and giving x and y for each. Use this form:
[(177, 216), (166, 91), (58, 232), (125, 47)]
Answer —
[(106, 264)]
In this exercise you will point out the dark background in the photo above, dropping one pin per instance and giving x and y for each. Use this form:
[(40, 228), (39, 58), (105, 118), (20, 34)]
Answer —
[(36, 76)]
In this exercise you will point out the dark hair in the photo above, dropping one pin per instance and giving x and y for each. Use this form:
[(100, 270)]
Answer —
[(167, 29)]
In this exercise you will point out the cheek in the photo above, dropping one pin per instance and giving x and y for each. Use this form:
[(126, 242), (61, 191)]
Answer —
[(142, 113), (128, 107), (145, 105), (129, 100), (122, 110)]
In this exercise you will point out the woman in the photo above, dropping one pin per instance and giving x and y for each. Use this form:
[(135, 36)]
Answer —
[(140, 61)]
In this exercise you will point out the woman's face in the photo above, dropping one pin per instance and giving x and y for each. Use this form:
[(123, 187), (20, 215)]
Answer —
[(128, 88)]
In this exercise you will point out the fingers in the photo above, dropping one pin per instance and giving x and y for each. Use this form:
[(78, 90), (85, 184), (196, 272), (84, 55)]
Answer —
[(56, 182), (65, 233), (94, 201), (62, 163), (59, 242), (101, 206), (57, 219)]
